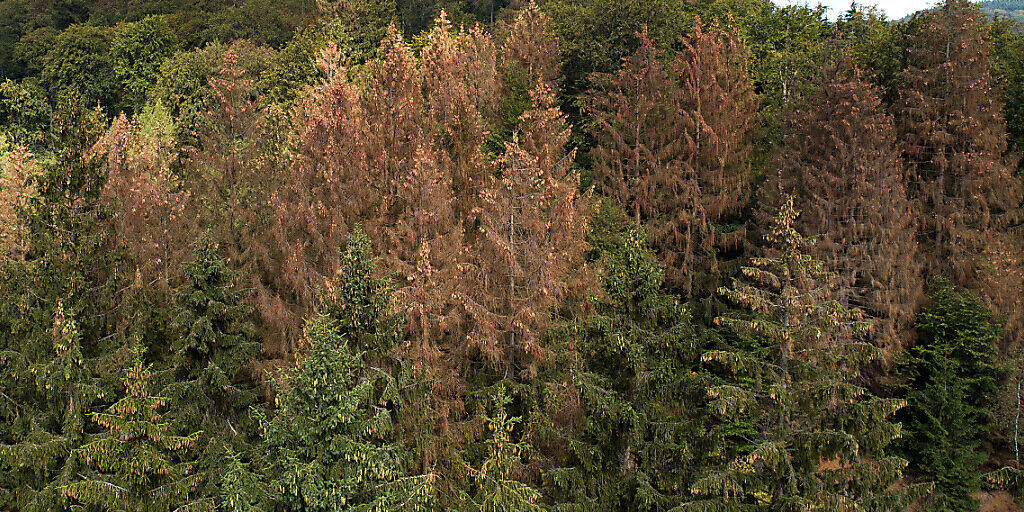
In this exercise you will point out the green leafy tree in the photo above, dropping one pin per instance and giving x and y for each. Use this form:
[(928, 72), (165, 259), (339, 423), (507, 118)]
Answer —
[(950, 379), (24, 113), (332, 442), (137, 51), (642, 400), (139, 465), (210, 392), (79, 62), (817, 440)]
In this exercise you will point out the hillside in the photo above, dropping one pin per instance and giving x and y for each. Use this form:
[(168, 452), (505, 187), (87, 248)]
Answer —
[(1008, 8)]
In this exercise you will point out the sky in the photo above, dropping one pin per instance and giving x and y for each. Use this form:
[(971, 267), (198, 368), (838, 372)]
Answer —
[(894, 9)]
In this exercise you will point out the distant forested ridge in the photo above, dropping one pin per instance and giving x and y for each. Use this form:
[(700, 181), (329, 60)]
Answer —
[(509, 256), (1013, 9)]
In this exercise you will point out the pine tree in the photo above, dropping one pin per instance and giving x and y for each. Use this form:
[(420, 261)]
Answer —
[(332, 442), (497, 489), (840, 163), (950, 381), (642, 400), (818, 440), (139, 465), (209, 392)]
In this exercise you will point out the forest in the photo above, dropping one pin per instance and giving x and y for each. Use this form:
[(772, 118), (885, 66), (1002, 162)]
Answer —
[(510, 256)]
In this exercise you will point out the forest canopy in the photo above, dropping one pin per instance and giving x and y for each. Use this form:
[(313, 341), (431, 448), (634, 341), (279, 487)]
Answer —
[(510, 256)]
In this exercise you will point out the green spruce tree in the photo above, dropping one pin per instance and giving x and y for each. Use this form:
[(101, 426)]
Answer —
[(210, 392), (136, 463), (497, 489), (642, 400), (817, 439), (241, 489), (332, 442), (57, 318), (950, 381)]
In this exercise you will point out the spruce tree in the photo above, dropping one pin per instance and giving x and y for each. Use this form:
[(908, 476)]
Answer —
[(331, 443), (230, 175), (642, 399), (57, 317), (17, 190), (841, 164), (497, 489), (137, 464), (241, 489), (949, 118), (817, 439), (951, 379), (716, 97), (209, 391), (138, 155), (528, 253), (962, 177), (672, 143)]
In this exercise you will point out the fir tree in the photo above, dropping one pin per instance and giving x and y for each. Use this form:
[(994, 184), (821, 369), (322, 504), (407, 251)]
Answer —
[(642, 400), (210, 392), (818, 439), (950, 381), (139, 465), (332, 442)]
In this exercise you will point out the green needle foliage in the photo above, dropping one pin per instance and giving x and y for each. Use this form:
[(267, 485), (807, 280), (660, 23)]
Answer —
[(332, 439), (497, 489), (643, 400), (55, 324), (210, 392), (139, 465), (950, 380), (819, 441)]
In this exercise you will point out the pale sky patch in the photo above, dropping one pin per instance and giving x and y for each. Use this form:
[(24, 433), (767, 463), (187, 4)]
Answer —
[(894, 9)]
